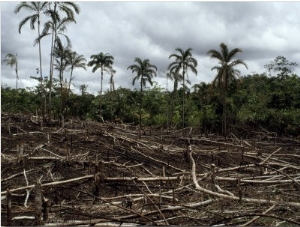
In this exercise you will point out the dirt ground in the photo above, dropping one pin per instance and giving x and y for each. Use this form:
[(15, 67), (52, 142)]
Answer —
[(108, 174)]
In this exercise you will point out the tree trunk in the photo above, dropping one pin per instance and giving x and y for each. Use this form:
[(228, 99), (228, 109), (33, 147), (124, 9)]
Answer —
[(141, 102), (224, 120), (100, 98), (43, 107), (51, 64), (183, 97), (40, 51)]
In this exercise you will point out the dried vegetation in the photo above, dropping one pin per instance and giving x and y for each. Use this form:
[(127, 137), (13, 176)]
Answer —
[(90, 173)]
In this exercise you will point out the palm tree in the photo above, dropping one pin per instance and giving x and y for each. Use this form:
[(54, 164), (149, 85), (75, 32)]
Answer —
[(12, 60), (57, 26), (103, 62), (37, 8), (83, 88), (225, 74), (184, 61), (144, 72), (61, 55), (75, 61), (60, 29)]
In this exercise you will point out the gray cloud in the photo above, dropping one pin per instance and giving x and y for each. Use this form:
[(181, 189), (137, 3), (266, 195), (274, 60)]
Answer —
[(263, 30)]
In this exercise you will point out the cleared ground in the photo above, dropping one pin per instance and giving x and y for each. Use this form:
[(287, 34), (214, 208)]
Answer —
[(107, 174)]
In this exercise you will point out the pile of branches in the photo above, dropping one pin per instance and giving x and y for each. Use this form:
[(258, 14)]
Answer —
[(90, 173)]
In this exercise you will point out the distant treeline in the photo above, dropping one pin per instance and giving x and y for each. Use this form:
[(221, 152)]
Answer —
[(254, 102)]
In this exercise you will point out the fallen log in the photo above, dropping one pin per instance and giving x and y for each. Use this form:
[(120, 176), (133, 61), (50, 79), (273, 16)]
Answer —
[(105, 180)]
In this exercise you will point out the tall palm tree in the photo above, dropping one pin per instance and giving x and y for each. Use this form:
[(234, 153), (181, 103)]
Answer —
[(184, 61), (37, 8), (56, 25), (56, 31), (144, 72), (225, 74), (103, 62), (75, 61)]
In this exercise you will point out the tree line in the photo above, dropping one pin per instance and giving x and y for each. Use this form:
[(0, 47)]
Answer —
[(230, 101), (253, 102)]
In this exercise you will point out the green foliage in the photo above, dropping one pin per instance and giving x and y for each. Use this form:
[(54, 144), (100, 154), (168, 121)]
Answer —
[(260, 101), (24, 100), (268, 103)]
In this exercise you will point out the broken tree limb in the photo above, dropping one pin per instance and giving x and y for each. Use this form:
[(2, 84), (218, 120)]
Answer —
[(251, 200), (106, 179), (266, 159), (27, 190)]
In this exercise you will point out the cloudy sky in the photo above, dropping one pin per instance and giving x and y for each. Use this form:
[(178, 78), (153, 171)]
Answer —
[(152, 30)]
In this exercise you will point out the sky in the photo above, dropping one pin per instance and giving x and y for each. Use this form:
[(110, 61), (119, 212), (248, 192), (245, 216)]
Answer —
[(153, 30)]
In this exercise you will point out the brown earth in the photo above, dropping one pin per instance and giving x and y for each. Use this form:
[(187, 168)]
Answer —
[(108, 174)]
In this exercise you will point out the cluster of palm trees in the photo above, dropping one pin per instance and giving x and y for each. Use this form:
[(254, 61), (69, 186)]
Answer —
[(63, 59), (185, 62), (60, 15)]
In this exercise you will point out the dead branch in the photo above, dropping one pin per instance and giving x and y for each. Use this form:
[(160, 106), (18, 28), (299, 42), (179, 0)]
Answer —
[(250, 200)]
